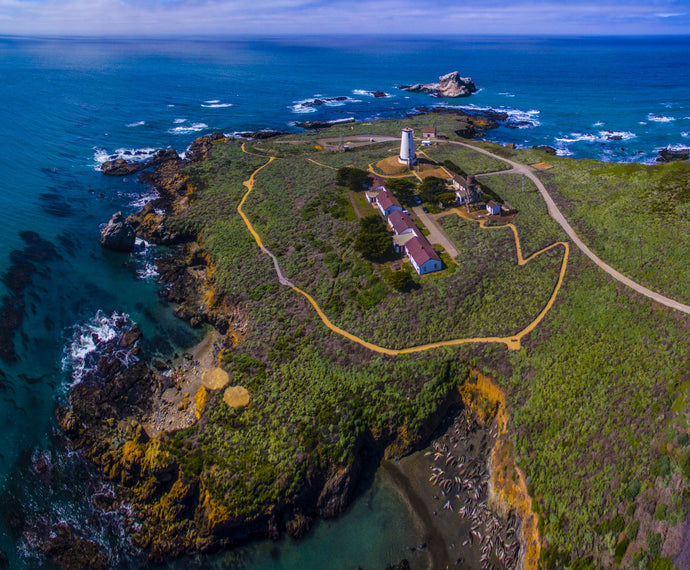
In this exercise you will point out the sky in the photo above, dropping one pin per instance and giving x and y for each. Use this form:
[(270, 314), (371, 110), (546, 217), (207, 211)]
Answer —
[(314, 17)]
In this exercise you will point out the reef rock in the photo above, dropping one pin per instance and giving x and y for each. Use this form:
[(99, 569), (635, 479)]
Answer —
[(162, 156), (118, 235), (545, 148), (449, 85), (120, 167), (668, 155)]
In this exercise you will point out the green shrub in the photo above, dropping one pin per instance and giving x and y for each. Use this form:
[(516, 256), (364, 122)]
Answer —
[(654, 543)]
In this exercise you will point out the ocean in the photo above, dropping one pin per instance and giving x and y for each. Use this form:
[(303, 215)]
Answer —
[(68, 105)]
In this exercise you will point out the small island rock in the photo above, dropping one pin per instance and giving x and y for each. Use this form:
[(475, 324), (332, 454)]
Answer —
[(118, 235), (120, 167), (449, 85), (668, 155)]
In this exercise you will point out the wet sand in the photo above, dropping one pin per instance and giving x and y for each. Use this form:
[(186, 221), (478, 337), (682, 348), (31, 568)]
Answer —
[(446, 488)]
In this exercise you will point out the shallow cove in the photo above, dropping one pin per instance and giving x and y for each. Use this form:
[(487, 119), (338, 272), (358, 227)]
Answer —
[(376, 531)]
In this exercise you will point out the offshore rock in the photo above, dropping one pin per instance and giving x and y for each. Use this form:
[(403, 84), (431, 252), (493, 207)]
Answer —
[(162, 156), (668, 155), (121, 167), (118, 235), (450, 85)]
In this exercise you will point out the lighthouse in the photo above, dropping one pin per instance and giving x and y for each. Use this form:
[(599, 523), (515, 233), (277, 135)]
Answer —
[(407, 155)]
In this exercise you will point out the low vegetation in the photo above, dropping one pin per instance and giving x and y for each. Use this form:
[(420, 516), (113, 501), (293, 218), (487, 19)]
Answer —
[(598, 392)]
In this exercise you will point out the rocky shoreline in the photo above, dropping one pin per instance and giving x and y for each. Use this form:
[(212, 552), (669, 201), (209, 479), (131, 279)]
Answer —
[(125, 414)]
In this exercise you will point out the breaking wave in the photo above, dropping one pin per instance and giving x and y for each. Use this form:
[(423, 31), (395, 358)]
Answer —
[(81, 354), (130, 154)]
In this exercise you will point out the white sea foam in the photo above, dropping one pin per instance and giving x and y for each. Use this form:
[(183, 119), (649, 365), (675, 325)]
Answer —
[(140, 200), (211, 101), (186, 129), (144, 255), (514, 115), (598, 124), (660, 118), (312, 104), (562, 151), (676, 147), (601, 136), (216, 105), (370, 93), (507, 94), (129, 154), (137, 124), (685, 135), (179, 121), (82, 352)]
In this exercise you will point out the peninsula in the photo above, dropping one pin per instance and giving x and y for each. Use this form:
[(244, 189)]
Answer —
[(328, 351)]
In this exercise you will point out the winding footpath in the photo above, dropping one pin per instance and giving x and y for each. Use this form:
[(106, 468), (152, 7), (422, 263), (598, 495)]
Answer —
[(512, 342), (556, 214)]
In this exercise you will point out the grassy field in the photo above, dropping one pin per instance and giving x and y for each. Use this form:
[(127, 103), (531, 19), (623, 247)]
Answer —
[(598, 390)]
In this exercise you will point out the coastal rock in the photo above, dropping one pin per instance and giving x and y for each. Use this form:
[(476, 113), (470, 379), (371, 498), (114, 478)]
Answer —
[(450, 85), (545, 148), (201, 146), (259, 135), (337, 492), (118, 235), (323, 124), (162, 156), (68, 550), (668, 155), (120, 167)]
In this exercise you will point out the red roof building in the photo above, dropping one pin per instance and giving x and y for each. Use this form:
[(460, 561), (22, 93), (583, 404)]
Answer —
[(387, 203), (423, 257), (401, 223)]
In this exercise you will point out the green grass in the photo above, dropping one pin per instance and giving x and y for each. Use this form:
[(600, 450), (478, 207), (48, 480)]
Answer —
[(598, 393), (471, 161)]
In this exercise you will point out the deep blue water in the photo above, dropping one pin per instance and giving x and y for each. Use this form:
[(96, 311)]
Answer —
[(65, 105)]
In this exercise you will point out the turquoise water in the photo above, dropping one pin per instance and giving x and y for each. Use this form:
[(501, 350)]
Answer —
[(66, 105)]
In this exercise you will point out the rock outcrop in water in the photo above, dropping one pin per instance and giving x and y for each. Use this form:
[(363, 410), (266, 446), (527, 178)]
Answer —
[(121, 167), (118, 234), (450, 85), (668, 155)]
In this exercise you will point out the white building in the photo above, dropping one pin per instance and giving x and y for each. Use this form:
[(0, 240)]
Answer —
[(407, 154)]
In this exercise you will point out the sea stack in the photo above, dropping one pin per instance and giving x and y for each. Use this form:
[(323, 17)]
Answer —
[(407, 154), (118, 234)]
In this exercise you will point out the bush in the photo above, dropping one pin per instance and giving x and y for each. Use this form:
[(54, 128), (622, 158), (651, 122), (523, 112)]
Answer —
[(620, 550), (353, 178), (400, 280), (660, 512), (372, 241), (654, 543), (431, 187)]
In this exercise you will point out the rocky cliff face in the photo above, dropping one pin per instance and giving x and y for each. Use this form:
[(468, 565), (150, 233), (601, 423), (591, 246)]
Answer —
[(450, 85)]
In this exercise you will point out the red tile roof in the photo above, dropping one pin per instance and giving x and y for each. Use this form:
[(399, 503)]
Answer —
[(420, 250), (385, 199), (401, 222), (377, 181)]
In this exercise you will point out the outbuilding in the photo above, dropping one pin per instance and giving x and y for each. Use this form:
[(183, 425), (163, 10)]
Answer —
[(493, 207)]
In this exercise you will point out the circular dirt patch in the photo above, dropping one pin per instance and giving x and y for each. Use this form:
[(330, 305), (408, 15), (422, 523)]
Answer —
[(236, 396), (214, 378)]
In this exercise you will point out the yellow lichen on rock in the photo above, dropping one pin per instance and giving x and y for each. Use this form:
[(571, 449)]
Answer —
[(215, 378), (236, 396), (200, 400)]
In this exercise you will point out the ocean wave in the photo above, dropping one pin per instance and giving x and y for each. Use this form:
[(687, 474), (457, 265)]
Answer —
[(660, 118), (601, 136), (369, 93), (140, 200), (81, 354), (179, 121), (685, 135), (525, 119), (674, 147), (129, 154), (562, 151), (212, 101), (217, 105), (506, 94), (144, 254), (186, 129), (137, 124), (598, 124), (313, 103)]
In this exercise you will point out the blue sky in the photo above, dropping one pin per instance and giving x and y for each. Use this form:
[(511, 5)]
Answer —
[(277, 17)]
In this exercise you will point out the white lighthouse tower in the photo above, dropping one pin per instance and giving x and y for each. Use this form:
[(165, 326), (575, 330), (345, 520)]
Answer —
[(407, 154)]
